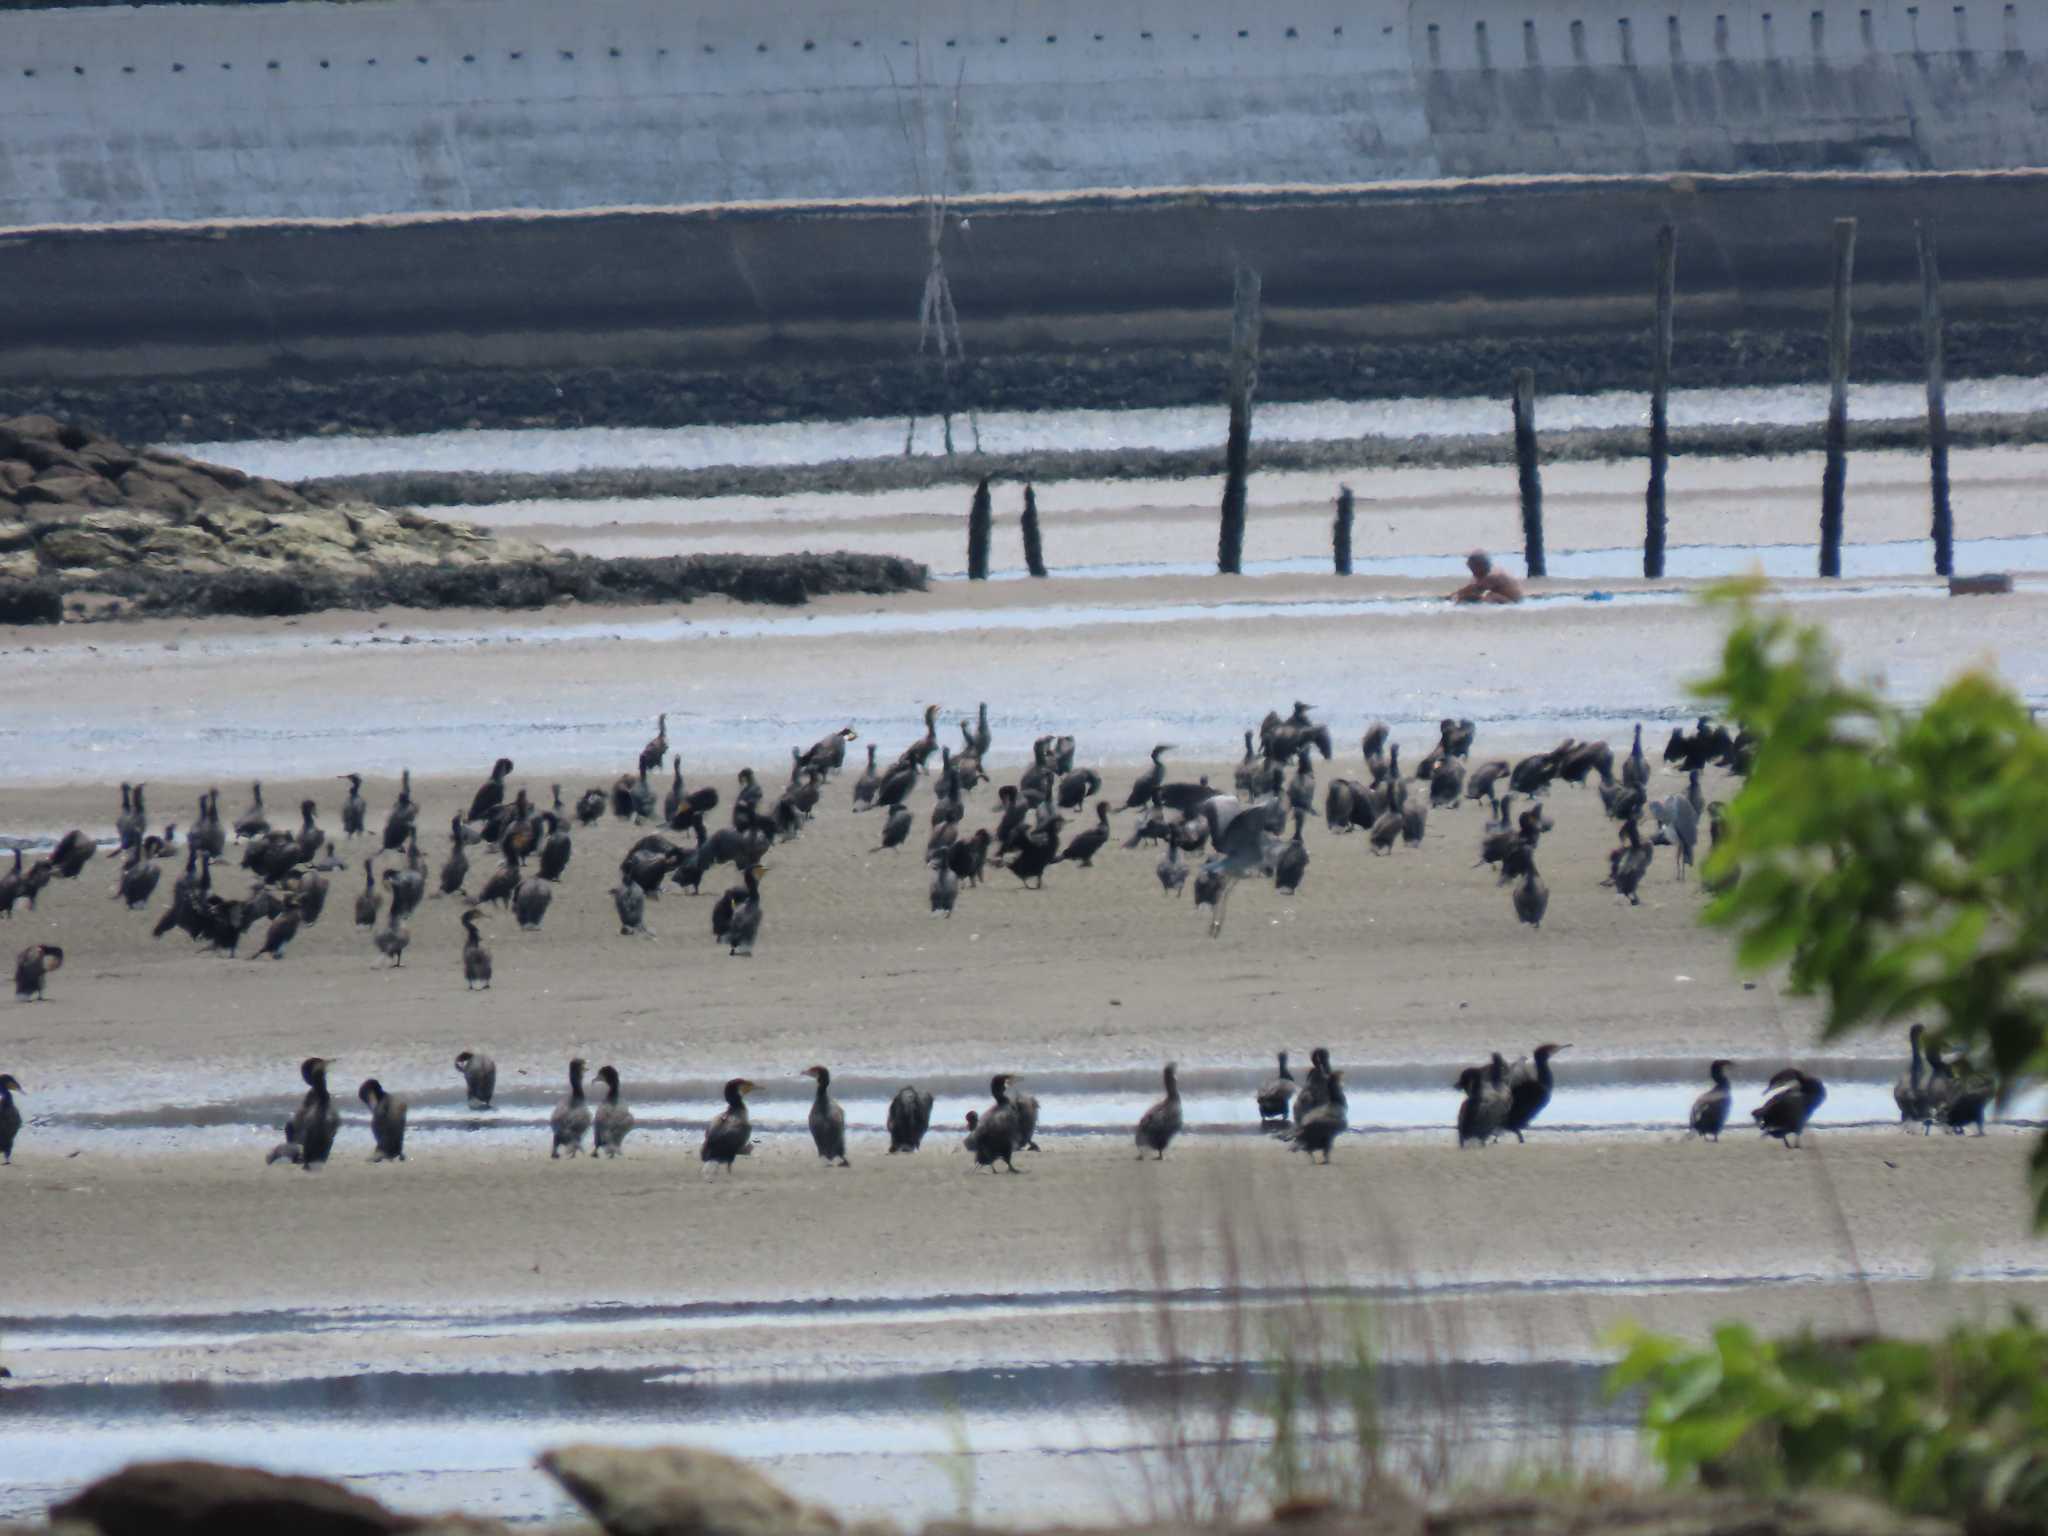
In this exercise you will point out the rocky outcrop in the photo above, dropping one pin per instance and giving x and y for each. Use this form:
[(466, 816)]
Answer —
[(76, 506)]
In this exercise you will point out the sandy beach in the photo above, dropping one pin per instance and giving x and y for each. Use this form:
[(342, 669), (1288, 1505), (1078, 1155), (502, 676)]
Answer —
[(446, 1316)]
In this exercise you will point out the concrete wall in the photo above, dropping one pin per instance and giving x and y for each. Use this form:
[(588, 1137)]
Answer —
[(307, 109), (602, 289)]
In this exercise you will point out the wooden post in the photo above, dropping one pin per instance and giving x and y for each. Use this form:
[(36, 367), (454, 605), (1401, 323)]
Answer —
[(1244, 378), (1835, 476), (1340, 532), (1937, 403), (1034, 549), (1660, 394), (979, 524), (1527, 472)]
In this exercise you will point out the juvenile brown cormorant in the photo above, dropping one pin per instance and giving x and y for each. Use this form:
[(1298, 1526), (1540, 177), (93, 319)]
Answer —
[(1316, 1089), (656, 751), (919, 752), (479, 1077), (1161, 1123), (1024, 1106), (530, 901), (455, 868), (910, 1116), (387, 1121), (631, 903), (1627, 864), (1532, 897), (408, 885), (827, 1120), (945, 891), (1529, 1088), (1482, 1110), (310, 887), (1710, 1109), (1277, 1095), (1320, 1128), (1794, 1096), (612, 1120), (730, 1135), (590, 807), (1171, 869), (865, 786), (571, 1118), (33, 966), (10, 1115), (1964, 1104), (369, 900), (403, 817)]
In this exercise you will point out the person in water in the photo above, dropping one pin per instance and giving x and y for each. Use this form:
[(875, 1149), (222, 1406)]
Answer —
[(1487, 585)]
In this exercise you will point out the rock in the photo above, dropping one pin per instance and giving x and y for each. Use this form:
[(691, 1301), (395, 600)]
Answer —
[(16, 432), (1689, 1512), (20, 565), (68, 547), (197, 1498), (15, 533), (183, 544), (58, 486), (123, 523), (14, 475), (144, 488), (230, 520), (677, 1491), (107, 457)]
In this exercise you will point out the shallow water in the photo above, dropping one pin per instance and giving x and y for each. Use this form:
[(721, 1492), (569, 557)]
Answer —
[(558, 451)]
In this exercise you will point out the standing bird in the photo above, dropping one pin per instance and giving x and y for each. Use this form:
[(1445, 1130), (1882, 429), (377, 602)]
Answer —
[(283, 929), (910, 1116), (1635, 768), (1320, 1128), (613, 1120), (1529, 1088), (828, 1120), (369, 900), (1277, 1095), (10, 1116), (32, 966), (1291, 868), (746, 915), (1794, 1096), (387, 1121), (1966, 1096), (253, 822), (571, 1118), (454, 868), (945, 888), (730, 1136), (1710, 1109), (631, 904), (1317, 1089), (865, 786), (392, 940), (355, 811), (1085, 845), (403, 817), (1532, 896), (530, 900), (1482, 1110), (992, 1136), (476, 959), (1148, 783), (656, 751), (491, 793), (479, 1077), (1161, 1123), (309, 1134), (895, 829), (1024, 1106), (1915, 1092)]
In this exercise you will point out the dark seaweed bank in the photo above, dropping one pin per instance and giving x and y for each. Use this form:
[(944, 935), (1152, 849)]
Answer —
[(503, 585), (302, 401)]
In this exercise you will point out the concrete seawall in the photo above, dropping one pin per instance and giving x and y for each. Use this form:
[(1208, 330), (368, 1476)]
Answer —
[(683, 286), (341, 110)]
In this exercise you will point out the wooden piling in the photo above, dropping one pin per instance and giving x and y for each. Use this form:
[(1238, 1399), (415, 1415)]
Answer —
[(1660, 398), (1034, 548), (1835, 476), (980, 522), (1340, 531), (1527, 471), (1244, 376), (1937, 402)]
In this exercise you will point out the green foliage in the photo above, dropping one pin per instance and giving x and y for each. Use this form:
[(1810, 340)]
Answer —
[(1955, 1428), (1896, 860)]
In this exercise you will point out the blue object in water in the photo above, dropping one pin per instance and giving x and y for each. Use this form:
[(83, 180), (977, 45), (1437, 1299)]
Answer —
[(1599, 597)]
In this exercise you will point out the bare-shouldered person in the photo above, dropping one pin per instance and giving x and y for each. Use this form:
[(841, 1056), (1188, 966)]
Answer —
[(1487, 585)]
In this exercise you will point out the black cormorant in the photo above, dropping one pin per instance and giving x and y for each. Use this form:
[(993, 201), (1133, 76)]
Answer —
[(612, 1120), (730, 1135), (1529, 1087), (33, 966), (827, 1120), (1085, 845), (572, 1115), (10, 1115), (1794, 1096), (476, 959), (1321, 1127), (1277, 1095), (910, 1116), (479, 1077), (1710, 1109)]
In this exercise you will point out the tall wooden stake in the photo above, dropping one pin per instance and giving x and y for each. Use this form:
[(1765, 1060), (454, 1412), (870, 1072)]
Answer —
[(1834, 478), (980, 523), (1937, 403), (1034, 547), (1660, 397), (1244, 378), (1340, 531), (1527, 472)]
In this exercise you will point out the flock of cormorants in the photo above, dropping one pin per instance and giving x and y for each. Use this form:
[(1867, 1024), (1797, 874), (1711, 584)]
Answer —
[(1235, 834)]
